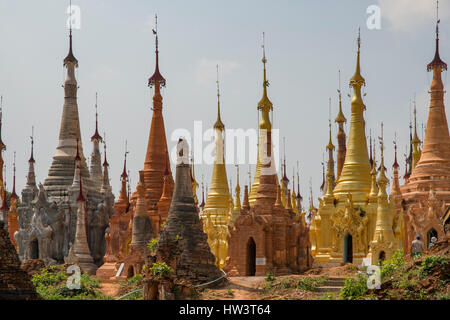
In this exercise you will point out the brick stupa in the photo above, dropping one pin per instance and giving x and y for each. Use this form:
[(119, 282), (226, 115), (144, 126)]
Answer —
[(426, 195), (183, 244), (15, 283)]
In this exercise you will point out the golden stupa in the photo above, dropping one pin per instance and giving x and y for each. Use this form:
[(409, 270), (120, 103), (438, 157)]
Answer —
[(217, 211), (343, 228)]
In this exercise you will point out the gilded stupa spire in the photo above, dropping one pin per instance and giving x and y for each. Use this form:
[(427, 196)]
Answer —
[(265, 127), (395, 182), (202, 204), (219, 124), (341, 137), (355, 175), (2, 148)]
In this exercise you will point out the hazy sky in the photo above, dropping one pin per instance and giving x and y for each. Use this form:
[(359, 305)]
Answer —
[(307, 42)]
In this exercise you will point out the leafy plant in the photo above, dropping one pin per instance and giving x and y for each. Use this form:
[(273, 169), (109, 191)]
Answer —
[(152, 244), (393, 265), (429, 263), (354, 288), (286, 283), (160, 269), (310, 284), (270, 277), (51, 284)]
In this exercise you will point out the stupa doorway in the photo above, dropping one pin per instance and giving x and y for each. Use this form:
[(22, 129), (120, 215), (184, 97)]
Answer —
[(348, 249), (251, 257)]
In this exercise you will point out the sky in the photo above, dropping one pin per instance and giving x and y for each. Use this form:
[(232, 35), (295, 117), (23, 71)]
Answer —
[(306, 43)]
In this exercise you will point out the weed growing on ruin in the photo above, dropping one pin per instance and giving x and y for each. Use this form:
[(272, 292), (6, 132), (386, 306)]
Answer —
[(152, 244), (286, 283), (230, 292), (160, 269)]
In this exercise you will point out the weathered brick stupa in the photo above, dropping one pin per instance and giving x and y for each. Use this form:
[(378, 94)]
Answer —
[(48, 216), (183, 244), (426, 195), (15, 283), (267, 237), (156, 184)]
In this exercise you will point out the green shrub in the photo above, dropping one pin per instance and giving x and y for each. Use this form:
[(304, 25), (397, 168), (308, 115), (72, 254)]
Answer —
[(286, 283), (393, 265), (160, 269), (51, 284), (429, 263), (310, 284), (354, 288), (152, 244), (270, 277)]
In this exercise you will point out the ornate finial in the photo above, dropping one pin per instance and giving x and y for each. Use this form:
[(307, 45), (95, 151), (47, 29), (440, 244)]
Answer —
[(105, 163), (219, 124), (13, 193), (96, 135), (370, 147), (395, 165), (437, 62), (32, 145), (265, 103), (249, 178), (340, 118), (70, 57), (330, 145), (237, 176), (357, 79), (124, 172), (156, 77), (264, 60)]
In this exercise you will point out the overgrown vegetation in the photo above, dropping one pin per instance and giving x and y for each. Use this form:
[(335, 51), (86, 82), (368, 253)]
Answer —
[(311, 284), (354, 288), (131, 284), (51, 284), (152, 244), (393, 265), (160, 269)]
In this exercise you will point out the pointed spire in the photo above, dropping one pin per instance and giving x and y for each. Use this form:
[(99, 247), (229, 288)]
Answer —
[(105, 162), (2, 145), (156, 77), (437, 62), (382, 179), (357, 78), (32, 146), (330, 145), (13, 193), (370, 147), (237, 204), (219, 124), (265, 103), (202, 205), (70, 57), (124, 174), (96, 135), (340, 118), (395, 165)]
